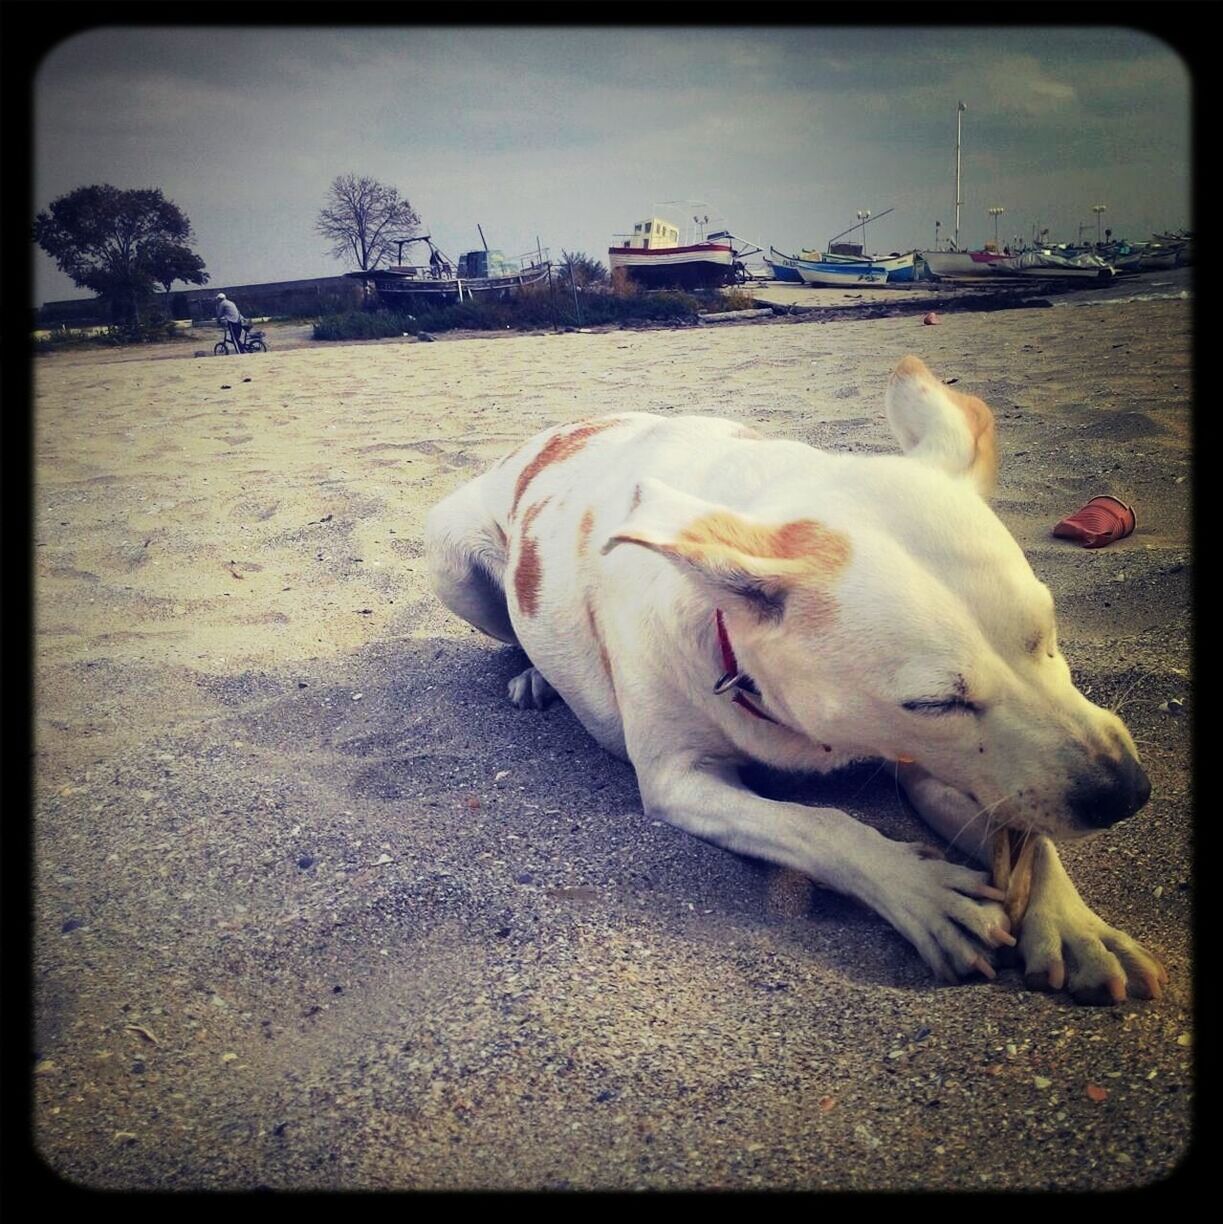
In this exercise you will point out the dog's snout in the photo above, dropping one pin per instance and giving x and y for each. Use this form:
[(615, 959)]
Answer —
[(1112, 792)]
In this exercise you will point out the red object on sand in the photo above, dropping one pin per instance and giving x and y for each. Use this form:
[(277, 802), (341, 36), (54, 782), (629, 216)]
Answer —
[(1103, 520), (931, 319)]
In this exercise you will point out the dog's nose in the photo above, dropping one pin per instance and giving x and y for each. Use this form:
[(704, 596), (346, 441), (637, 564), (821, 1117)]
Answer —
[(1114, 791)]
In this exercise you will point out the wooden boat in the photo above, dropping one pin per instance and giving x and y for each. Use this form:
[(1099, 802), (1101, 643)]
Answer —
[(783, 267), (1159, 258), (841, 276), (826, 273), (900, 268), (1045, 265), (652, 256), (480, 274), (955, 264)]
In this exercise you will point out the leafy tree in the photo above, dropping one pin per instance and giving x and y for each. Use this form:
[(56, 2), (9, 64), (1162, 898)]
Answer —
[(582, 270), (364, 219), (120, 244), (168, 262)]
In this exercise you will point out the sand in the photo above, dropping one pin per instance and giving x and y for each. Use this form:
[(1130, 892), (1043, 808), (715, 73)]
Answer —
[(315, 908)]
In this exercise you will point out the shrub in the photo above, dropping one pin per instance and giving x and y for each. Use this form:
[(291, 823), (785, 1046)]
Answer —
[(737, 299), (365, 325), (537, 308), (151, 331)]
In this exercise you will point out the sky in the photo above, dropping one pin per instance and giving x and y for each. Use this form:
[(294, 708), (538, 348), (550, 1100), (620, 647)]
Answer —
[(570, 135)]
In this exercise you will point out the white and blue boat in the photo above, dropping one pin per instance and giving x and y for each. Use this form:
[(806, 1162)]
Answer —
[(783, 267), (900, 268), (833, 270), (841, 275)]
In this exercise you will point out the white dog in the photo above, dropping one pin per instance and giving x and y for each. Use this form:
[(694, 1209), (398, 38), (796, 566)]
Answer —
[(701, 596)]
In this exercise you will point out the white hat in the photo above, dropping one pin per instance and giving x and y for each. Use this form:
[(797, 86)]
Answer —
[(220, 296)]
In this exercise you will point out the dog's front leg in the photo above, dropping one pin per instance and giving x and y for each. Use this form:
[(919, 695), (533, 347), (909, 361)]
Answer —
[(1065, 943), (926, 899)]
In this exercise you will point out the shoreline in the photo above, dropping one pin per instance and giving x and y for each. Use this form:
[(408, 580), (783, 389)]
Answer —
[(788, 303)]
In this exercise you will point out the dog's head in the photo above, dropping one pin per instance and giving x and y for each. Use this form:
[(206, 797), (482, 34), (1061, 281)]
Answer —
[(882, 607)]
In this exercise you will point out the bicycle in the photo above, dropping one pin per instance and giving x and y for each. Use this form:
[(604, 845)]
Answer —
[(252, 341)]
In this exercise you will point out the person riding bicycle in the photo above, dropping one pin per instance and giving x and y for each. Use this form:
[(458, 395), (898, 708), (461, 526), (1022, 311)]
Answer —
[(229, 316)]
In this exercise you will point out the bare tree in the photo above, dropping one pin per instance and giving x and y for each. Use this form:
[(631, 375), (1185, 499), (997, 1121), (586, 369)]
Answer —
[(364, 218)]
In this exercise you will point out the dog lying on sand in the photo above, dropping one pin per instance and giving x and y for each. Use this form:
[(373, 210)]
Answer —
[(701, 596)]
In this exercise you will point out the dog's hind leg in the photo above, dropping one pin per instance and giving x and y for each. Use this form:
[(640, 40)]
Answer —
[(530, 691), (465, 550)]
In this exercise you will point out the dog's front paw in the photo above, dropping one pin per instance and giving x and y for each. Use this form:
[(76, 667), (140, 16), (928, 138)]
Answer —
[(530, 691), (1063, 943), (951, 914)]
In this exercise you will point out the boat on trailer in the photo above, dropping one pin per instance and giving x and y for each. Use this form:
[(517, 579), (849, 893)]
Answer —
[(484, 274)]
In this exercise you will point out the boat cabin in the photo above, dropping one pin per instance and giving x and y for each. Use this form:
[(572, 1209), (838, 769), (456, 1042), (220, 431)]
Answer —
[(486, 263), (652, 235)]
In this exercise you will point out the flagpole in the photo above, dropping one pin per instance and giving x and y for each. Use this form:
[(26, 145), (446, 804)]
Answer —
[(959, 112)]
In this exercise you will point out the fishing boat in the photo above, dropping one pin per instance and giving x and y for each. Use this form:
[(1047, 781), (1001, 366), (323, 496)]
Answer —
[(1158, 257), (840, 276), (900, 268), (953, 264), (485, 274), (783, 267), (1046, 265), (653, 256), (825, 273), (956, 264)]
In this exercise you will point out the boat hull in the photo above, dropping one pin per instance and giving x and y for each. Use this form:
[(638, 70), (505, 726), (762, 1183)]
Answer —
[(704, 264), (841, 276), (397, 287), (960, 263), (1040, 265), (900, 269), (783, 272)]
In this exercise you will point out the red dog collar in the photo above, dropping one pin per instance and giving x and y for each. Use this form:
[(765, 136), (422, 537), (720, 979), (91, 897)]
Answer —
[(733, 677)]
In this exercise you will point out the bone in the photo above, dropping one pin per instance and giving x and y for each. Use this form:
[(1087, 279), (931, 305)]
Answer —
[(1012, 867)]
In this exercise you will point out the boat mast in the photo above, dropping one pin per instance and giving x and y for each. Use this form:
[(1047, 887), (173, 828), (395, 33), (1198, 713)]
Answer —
[(959, 112)]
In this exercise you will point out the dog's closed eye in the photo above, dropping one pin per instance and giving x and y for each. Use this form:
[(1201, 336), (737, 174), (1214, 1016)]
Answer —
[(941, 705)]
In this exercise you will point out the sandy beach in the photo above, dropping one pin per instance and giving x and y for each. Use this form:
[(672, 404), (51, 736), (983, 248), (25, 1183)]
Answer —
[(317, 909)]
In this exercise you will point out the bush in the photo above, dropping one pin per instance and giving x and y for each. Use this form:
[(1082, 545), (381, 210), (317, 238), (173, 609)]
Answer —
[(365, 325), (738, 299), (152, 331), (534, 308)]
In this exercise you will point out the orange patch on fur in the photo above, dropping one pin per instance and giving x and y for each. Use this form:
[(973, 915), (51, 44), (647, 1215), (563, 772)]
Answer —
[(976, 413), (593, 621), (585, 527), (507, 457), (557, 449), (529, 572), (806, 544), (981, 423)]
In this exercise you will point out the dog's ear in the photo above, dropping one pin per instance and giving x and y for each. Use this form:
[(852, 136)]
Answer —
[(740, 558), (942, 426)]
